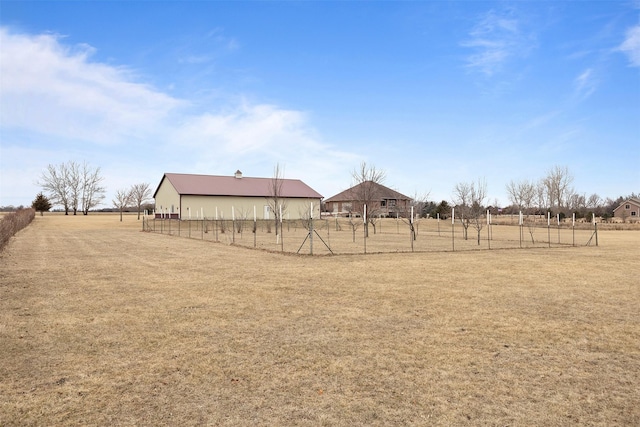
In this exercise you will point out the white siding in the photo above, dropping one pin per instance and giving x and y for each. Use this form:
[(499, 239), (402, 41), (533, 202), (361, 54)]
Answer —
[(167, 198), (243, 207)]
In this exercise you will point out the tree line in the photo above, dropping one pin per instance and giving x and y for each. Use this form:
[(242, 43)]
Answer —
[(78, 187), (553, 194)]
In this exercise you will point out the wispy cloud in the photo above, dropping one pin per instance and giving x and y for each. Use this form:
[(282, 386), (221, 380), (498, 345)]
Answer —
[(205, 48), (227, 42), (497, 38), (585, 84), (631, 45)]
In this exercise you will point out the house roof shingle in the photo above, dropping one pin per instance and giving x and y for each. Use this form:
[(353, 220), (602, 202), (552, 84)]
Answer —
[(382, 192), (215, 185), (632, 200)]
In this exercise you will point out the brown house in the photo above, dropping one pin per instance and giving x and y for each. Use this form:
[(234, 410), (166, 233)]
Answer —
[(629, 210), (380, 200)]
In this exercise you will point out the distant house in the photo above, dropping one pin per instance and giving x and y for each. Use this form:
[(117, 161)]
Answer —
[(383, 201), (188, 196), (629, 210)]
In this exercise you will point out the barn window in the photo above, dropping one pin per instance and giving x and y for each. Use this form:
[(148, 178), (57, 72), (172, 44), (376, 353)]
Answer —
[(627, 206), (633, 213)]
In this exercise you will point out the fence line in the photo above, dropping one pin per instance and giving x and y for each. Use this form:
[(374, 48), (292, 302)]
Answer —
[(346, 236)]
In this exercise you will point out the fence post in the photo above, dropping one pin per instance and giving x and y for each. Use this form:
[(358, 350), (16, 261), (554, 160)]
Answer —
[(453, 227), (489, 228), (549, 227)]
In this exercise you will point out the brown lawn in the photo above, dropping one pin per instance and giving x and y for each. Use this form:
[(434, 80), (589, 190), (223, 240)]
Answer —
[(102, 324)]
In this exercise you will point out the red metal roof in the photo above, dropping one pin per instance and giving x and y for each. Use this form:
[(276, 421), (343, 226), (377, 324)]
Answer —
[(214, 185)]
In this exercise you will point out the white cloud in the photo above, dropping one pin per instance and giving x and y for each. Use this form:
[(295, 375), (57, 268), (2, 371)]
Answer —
[(228, 43), (248, 128), (585, 84), (256, 137), (496, 39), (631, 45), (53, 89), (60, 105)]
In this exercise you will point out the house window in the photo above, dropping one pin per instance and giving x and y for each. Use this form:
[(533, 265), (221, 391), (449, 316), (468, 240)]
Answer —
[(392, 202), (383, 203), (633, 213), (627, 206)]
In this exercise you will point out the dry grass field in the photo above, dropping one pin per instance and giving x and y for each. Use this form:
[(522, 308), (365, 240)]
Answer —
[(102, 324)]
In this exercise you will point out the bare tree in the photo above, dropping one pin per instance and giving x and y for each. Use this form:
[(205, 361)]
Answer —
[(74, 185), (122, 200), (55, 182), (140, 194), (594, 201), (92, 190), (542, 198), (354, 223), (366, 192), (242, 215), (478, 196), (304, 213), (515, 197), (470, 199), (462, 204), (558, 186), (413, 220), (528, 196), (69, 184), (577, 202), (522, 194), (277, 203)]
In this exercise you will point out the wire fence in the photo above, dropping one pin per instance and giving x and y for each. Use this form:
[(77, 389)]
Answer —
[(347, 236)]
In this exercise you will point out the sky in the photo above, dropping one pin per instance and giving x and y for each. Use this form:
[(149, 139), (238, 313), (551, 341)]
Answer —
[(433, 93)]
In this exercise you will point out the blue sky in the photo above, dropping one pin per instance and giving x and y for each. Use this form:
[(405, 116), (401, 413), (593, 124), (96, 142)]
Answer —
[(432, 92)]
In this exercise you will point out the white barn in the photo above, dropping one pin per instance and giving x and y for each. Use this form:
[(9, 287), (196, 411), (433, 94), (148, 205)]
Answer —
[(188, 196)]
